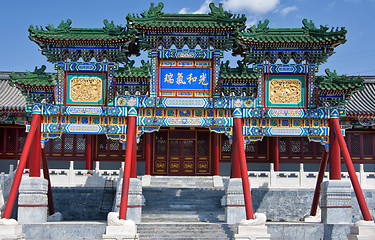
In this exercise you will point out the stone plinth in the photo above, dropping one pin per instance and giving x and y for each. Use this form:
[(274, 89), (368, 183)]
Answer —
[(218, 181), (120, 229), (362, 230), (32, 200), (135, 202), (234, 201), (336, 202), (10, 229), (146, 180), (253, 229)]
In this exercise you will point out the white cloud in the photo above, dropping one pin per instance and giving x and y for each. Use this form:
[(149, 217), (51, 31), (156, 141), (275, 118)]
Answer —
[(251, 20), (331, 4), (253, 6), (184, 11), (204, 8), (285, 11)]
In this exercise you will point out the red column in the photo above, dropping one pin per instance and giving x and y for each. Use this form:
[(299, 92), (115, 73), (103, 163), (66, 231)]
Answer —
[(349, 165), (51, 208), (21, 166), (133, 172), (216, 152), (128, 162), (323, 165), (88, 152), (235, 161), (36, 153), (245, 178), (334, 155), (148, 153), (275, 153)]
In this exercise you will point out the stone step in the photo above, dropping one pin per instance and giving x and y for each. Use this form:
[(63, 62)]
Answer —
[(184, 217), (194, 230), (182, 181)]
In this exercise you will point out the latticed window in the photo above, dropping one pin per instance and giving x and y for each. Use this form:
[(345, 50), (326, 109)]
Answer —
[(102, 143), (262, 147), (250, 148), (203, 143), (189, 147), (174, 148), (225, 144), (11, 140), (114, 146), (161, 143), (308, 146), (319, 149), (140, 146), (80, 143), (355, 145), (2, 132), (296, 146), (284, 146), (21, 139), (68, 143), (56, 145), (368, 144)]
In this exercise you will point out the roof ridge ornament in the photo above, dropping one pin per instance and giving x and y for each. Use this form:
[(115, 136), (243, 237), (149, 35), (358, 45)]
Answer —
[(332, 77), (65, 26), (153, 12), (111, 27), (262, 27), (219, 11), (309, 26), (40, 71)]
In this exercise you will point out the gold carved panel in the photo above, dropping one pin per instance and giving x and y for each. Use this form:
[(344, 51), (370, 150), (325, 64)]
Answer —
[(86, 89), (285, 91)]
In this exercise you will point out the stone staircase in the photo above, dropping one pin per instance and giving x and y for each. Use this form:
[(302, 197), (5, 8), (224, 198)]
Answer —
[(183, 208), (182, 182)]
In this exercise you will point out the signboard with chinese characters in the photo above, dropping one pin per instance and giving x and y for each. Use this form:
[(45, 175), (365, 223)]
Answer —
[(182, 78), (285, 91), (85, 89)]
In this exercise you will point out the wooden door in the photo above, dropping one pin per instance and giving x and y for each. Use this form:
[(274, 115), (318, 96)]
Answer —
[(182, 152)]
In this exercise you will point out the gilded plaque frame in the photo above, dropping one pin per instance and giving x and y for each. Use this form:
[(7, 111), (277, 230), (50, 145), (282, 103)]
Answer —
[(86, 88), (285, 90)]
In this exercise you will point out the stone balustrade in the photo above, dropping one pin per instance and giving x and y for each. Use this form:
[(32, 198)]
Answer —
[(6, 181), (302, 179), (259, 179)]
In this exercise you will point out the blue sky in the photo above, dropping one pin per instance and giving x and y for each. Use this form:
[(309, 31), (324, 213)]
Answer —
[(355, 57)]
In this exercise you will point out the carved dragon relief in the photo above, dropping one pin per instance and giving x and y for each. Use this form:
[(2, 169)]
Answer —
[(285, 91), (86, 89)]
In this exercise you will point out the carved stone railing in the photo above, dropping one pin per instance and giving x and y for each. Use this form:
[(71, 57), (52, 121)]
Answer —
[(87, 178), (258, 179), (5, 186), (302, 179)]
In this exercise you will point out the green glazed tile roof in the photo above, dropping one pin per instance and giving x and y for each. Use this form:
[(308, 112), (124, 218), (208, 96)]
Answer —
[(63, 33), (37, 79), (129, 71), (262, 35), (332, 82), (239, 73), (154, 18)]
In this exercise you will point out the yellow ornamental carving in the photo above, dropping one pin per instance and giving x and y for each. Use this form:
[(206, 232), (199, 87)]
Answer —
[(86, 89), (285, 91)]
